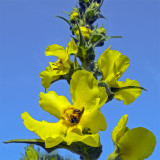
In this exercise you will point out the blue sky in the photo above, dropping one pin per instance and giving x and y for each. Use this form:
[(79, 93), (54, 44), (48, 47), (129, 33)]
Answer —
[(27, 27)]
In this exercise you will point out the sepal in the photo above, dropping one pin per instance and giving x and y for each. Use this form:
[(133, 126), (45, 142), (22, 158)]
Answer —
[(109, 92), (66, 20)]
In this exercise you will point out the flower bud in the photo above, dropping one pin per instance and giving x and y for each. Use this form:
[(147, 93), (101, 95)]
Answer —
[(86, 32), (101, 30), (74, 16), (98, 34)]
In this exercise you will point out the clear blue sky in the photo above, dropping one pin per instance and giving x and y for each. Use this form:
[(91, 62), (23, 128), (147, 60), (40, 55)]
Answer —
[(27, 27)]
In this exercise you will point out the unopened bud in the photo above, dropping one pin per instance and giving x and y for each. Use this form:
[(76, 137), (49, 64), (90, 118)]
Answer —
[(74, 16), (86, 32)]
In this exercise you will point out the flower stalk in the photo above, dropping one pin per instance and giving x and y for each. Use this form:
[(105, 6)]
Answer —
[(92, 84)]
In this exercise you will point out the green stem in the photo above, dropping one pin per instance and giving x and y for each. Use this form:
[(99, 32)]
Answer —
[(84, 157), (86, 65)]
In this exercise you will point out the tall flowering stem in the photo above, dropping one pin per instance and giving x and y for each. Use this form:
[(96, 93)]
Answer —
[(79, 122)]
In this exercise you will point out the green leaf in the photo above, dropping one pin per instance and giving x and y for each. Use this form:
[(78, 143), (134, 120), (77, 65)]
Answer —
[(66, 20), (66, 13), (101, 16), (82, 40), (107, 38), (127, 87), (108, 90), (99, 6)]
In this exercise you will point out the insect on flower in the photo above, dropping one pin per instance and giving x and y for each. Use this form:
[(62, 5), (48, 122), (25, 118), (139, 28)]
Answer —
[(76, 116)]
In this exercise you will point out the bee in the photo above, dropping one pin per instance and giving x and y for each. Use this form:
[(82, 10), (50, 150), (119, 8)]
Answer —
[(76, 116)]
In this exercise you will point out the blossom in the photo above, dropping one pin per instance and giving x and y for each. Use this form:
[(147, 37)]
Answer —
[(132, 144), (86, 32), (61, 66), (113, 65), (74, 119)]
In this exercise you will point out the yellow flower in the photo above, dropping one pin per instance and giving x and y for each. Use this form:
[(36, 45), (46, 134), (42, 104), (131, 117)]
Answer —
[(113, 64), (132, 144), (86, 32), (61, 66), (74, 119), (73, 16)]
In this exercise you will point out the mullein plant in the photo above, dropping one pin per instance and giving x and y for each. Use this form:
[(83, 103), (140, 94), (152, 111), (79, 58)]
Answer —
[(80, 121)]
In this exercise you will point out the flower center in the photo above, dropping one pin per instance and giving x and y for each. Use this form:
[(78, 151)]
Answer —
[(72, 116), (58, 65)]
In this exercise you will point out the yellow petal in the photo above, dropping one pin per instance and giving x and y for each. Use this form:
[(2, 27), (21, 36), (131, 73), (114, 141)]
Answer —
[(106, 63), (137, 143), (53, 103), (48, 76), (56, 50), (84, 90), (60, 68), (121, 64), (89, 139), (72, 47), (112, 64), (94, 120), (120, 129), (51, 133), (103, 96), (127, 95)]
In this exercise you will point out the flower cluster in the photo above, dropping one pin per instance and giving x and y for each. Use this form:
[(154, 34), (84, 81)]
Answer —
[(81, 120)]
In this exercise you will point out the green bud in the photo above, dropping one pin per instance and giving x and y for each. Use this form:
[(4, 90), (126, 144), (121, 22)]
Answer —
[(31, 153), (97, 34), (101, 30)]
